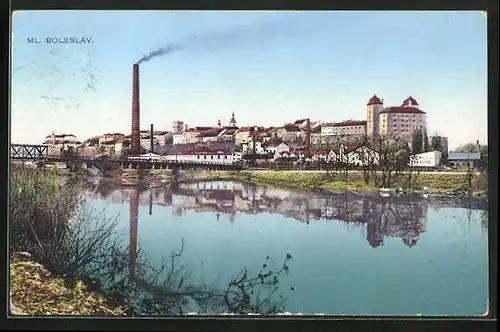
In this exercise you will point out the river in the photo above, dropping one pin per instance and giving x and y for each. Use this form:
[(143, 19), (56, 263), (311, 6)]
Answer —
[(337, 254)]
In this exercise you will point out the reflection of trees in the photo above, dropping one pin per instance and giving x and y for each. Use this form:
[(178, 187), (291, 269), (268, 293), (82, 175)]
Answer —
[(484, 220), (168, 289)]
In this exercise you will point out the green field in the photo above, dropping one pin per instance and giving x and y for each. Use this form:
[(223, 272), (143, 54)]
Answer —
[(446, 183)]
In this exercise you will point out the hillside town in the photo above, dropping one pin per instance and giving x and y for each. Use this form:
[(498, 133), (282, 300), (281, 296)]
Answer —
[(299, 140)]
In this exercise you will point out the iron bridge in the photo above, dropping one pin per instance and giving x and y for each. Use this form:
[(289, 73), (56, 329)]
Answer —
[(29, 152)]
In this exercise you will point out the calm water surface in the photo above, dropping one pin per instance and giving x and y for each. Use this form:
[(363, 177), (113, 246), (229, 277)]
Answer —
[(349, 253)]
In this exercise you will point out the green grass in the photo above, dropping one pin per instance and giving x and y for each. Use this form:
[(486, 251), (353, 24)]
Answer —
[(47, 219), (444, 183)]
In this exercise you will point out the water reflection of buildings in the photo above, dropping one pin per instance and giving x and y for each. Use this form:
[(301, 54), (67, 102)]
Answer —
[(404, 217)]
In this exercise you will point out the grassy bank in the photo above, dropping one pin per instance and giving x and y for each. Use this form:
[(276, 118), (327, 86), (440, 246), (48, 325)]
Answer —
[(446, 183), (35, 291), (47, 219)]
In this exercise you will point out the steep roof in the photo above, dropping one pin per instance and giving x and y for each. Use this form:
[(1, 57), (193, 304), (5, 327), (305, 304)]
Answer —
[(374, 101), (409, 102), (291, 127)]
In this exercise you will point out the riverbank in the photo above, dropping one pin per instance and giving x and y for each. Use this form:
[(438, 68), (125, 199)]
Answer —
[(36, 291), (47, 219), (435, 183)]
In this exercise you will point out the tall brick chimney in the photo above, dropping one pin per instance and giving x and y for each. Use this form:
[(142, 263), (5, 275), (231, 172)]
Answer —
[(135, 141), (308, 138)]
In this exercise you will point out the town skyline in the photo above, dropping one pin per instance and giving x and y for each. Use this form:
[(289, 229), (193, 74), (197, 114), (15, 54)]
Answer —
[(86, 89)]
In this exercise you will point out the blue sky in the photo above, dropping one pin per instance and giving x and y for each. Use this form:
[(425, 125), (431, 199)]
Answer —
[(267, 67)]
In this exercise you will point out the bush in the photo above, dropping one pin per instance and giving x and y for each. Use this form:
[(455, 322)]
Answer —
[(48, 219)]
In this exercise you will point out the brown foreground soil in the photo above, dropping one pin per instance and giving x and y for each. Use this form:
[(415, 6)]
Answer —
[(35, 291)]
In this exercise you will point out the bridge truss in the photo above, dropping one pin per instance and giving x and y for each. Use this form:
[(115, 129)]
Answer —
[(29, 152)]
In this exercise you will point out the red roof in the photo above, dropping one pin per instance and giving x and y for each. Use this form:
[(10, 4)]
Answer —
[(60, 135), (291, 127), (244, 129), (410, 102), (113, 134), (211, 133), (374, 101), (299, 122), (192, 130), (230, 131), (349, 123), (402, 110)]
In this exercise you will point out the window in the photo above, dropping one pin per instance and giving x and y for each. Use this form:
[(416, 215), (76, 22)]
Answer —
[(225, 157), (198, 157), (204, 157), (218, 157), (211, 157)]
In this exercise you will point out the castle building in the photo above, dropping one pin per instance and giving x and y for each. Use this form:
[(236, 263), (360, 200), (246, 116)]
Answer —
[(373, 109), (395, 121)]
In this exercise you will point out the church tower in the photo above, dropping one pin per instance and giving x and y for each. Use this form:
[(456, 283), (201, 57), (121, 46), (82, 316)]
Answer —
[(232, 122), (373, 109)]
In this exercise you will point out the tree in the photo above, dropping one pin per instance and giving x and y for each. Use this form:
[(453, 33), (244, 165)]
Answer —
[(436, 143), (366, 159), (93, 141), (426, 141), (417, 142), (126, 143), (412, 176), (125, 152), (391, 157)]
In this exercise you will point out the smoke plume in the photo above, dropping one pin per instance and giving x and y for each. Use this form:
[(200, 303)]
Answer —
[(159, 52), (234, 38)]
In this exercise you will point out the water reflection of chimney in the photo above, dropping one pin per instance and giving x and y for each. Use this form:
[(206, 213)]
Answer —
[(218, 216), (150, 203), (307, 212), (134, 217), (253, 196)]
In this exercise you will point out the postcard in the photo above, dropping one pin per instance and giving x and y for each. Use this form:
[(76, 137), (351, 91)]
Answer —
[(248, 163)]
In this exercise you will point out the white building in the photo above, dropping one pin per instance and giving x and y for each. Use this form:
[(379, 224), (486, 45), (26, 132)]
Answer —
[(345, 128), (179, 139), (61, 141), (146, 143), (247, 148), (426, 159), (160, 137), (111, 137), (215, 158), (402, 121), (177, 127), (277, 148)]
